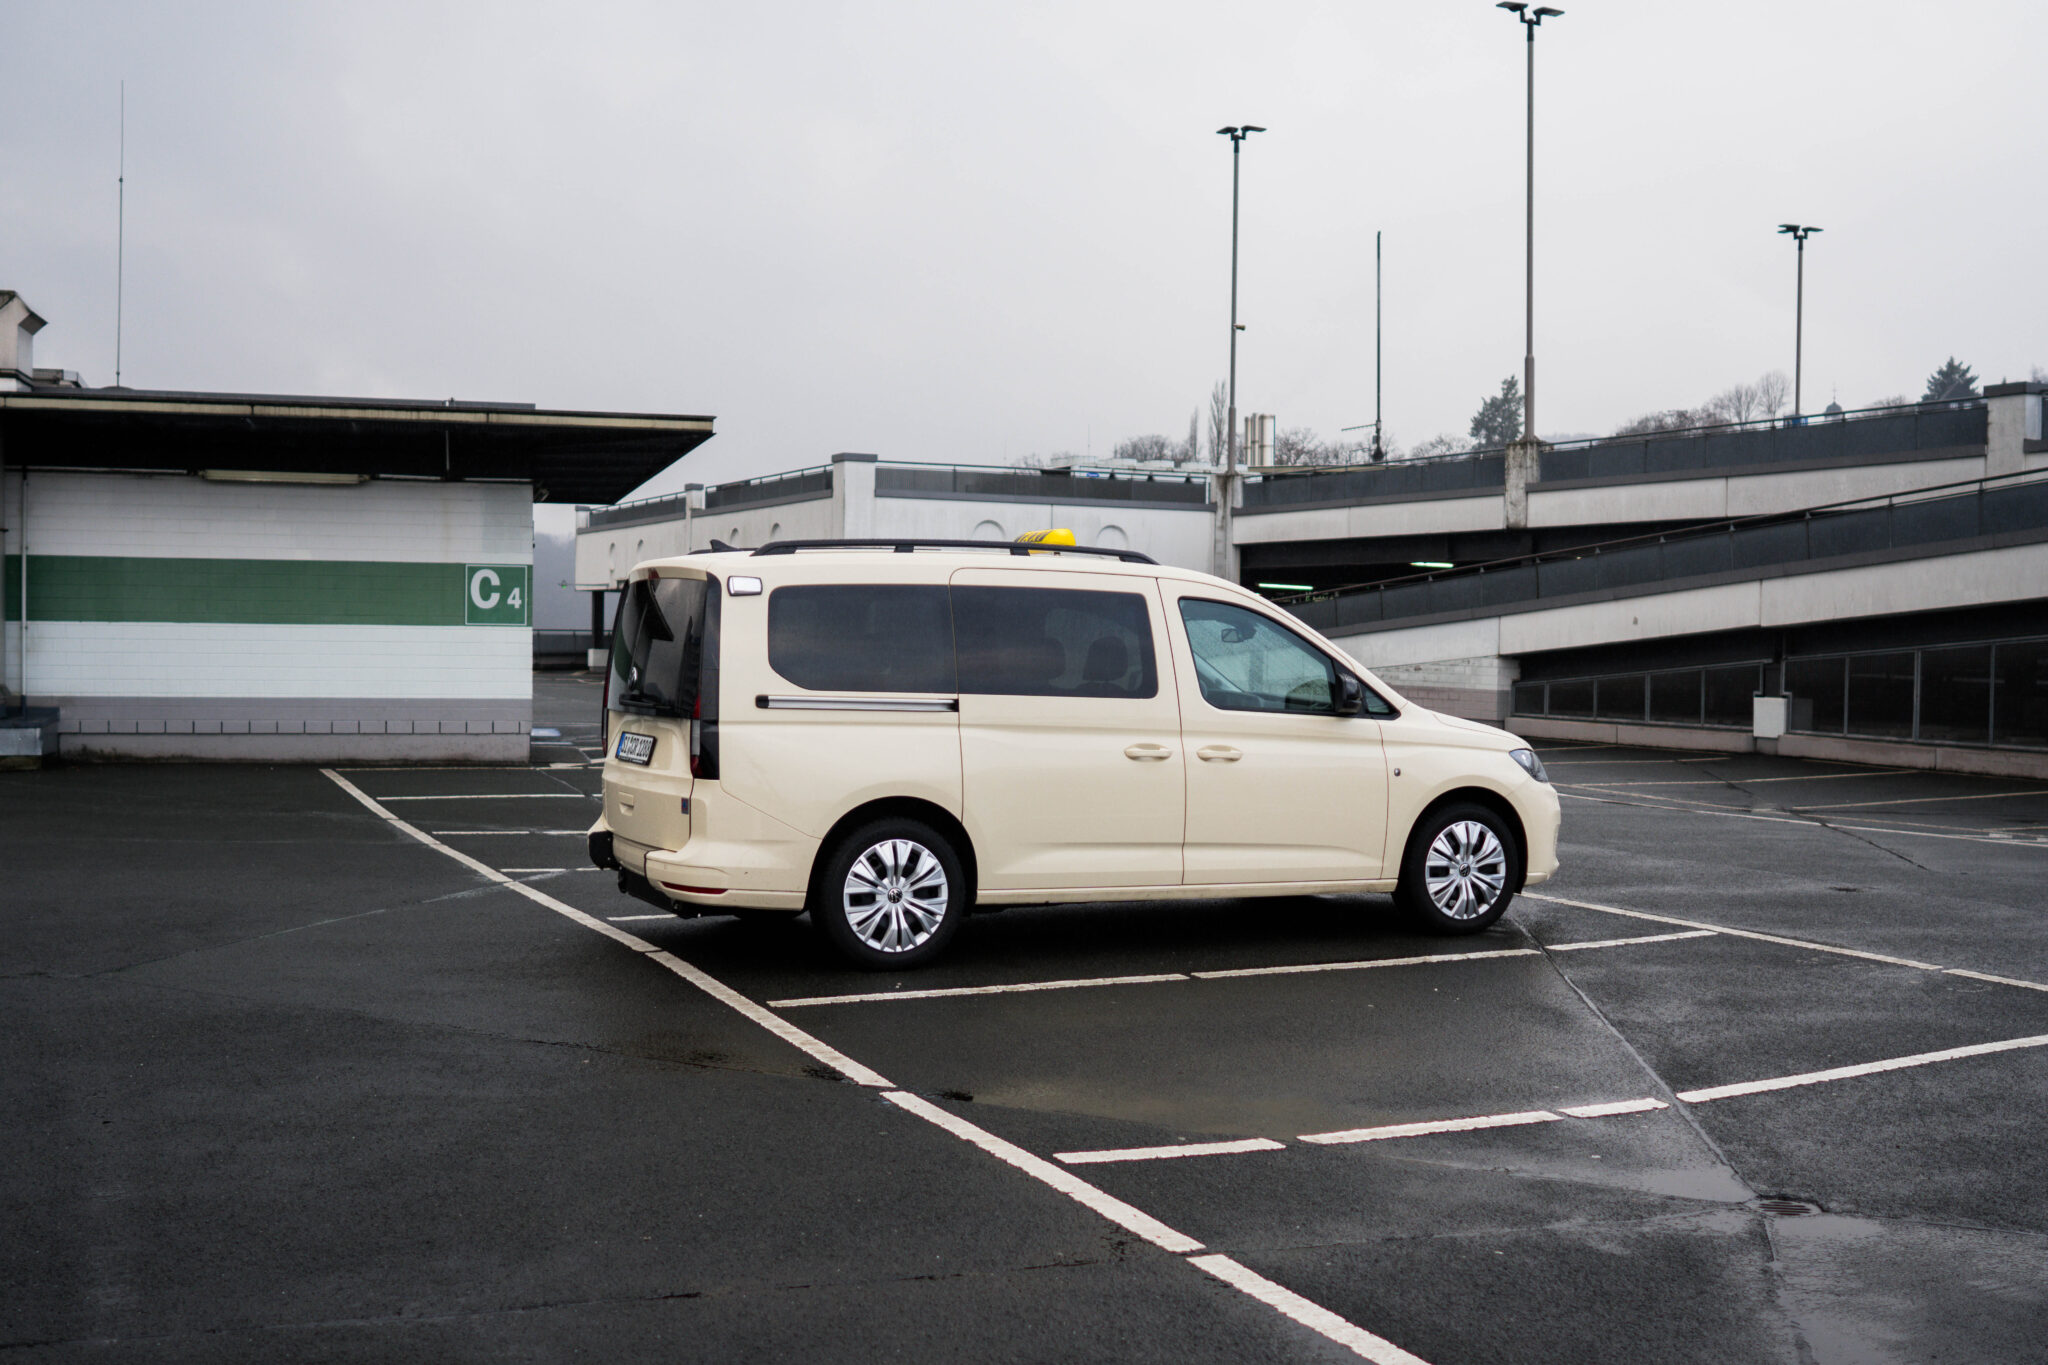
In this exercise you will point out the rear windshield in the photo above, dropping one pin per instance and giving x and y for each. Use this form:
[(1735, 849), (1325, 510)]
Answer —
[(662, 641)]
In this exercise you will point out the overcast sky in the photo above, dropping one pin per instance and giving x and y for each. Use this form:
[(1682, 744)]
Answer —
[(973, 233)]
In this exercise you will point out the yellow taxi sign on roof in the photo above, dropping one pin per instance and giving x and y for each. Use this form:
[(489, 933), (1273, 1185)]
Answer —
[(1059, 536)]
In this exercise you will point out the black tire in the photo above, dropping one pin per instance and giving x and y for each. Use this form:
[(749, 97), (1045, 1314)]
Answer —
[(1475, 878), (873, 929)]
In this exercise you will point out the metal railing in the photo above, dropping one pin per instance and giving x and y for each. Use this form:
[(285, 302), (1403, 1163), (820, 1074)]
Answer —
[(1869, 433), (797, 485), (1040, 485), (2013, 504)]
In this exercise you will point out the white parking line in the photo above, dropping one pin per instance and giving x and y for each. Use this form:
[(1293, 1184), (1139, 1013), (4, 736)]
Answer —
[(1602, 1111), (817, 1048), (1361, 966), (1401, 1130), (501, 796), (1638, 800), (1308, 1313), (1301, 1310), (1625, 942), (1037, 1167), (1291, 969), (1924, 800), (1843, 1073), (1169, 1153), (1807, 944), (869, 997), (634, 919), (467, 832), (1753, 781)]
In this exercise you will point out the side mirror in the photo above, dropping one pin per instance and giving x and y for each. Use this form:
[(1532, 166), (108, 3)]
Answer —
[(1350, 695)]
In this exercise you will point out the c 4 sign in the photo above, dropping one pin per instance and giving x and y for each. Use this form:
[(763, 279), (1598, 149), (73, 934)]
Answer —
[(496, 594)]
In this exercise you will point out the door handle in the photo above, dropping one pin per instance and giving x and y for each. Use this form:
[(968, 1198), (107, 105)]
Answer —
[(1219, 753), (1147, 751)]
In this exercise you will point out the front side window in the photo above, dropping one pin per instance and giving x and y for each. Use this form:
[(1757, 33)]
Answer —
[(862, 637), (1245, 662), (1053, 642)]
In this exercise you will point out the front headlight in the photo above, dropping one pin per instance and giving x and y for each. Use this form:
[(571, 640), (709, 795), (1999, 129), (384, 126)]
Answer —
[(1531, 764)]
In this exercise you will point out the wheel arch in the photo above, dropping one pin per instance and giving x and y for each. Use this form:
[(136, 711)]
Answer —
[(907, 808), (1478, 796)]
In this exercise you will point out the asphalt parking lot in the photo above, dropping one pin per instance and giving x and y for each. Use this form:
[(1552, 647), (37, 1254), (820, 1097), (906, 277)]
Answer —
[(366, 1064)]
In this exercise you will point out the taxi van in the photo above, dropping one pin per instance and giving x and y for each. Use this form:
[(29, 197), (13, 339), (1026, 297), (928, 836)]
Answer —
[(892, 734)]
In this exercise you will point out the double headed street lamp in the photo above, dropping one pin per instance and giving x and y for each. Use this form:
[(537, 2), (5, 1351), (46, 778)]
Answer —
[(1237, 136), (1531, 20), (1224, 491), (1799, 233)]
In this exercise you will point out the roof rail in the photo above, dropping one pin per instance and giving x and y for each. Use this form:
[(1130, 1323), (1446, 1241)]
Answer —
[(904, 547)]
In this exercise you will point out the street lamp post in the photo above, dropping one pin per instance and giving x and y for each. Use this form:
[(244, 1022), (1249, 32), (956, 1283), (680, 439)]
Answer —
[(1531, 20), (1237, 135), (1799, 233)]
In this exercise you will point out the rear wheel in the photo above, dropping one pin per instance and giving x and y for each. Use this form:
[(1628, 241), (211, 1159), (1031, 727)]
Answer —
[(1461, 869), (891, 895)]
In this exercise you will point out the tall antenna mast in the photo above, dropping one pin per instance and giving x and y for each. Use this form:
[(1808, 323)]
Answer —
[(120, 232)]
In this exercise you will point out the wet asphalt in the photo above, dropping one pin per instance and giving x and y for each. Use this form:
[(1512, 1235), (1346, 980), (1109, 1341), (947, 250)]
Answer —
[(285, 1084)]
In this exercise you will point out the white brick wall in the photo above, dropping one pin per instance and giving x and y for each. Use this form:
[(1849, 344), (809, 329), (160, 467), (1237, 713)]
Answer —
[(182, 517), (175, 659)]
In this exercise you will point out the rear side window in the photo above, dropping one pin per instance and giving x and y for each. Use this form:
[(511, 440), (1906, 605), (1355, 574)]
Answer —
[(1053, 642), (663, 641), (862, 637)]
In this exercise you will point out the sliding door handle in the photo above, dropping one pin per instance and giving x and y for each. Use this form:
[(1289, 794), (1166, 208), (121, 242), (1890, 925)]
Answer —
[(1218, 753), (1145, 752)]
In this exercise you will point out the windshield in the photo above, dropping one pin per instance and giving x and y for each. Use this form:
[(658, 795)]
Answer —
[(660, 641)]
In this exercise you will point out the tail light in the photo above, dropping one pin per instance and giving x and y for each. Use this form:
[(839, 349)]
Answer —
[(703, 742)]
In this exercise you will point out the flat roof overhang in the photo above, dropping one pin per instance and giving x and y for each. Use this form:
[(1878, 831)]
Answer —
[(582, 457)]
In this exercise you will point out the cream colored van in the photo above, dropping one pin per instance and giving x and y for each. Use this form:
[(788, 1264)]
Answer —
[(891, 734)]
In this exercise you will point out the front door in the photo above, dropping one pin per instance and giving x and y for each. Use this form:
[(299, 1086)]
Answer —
[(1280, 787), (1070, 746)]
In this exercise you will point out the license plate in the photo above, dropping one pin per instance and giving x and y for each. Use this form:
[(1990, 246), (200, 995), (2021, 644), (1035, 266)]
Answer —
[(636, 748)]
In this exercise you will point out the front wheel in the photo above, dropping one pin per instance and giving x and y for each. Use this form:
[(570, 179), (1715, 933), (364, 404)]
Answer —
[(891, 895), (1461, 869)]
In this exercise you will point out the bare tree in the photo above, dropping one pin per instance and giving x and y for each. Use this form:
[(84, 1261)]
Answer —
[(1144, 448), (1219, 423), (1736, 403), (1771, 392), (1671, 419), (1442, 444), (1190, 452)]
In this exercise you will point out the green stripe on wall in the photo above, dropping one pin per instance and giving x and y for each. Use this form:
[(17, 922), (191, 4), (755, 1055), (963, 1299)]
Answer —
[(294, 592)]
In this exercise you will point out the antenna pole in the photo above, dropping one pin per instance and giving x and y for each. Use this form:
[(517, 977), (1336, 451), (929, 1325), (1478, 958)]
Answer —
[(120, 233)]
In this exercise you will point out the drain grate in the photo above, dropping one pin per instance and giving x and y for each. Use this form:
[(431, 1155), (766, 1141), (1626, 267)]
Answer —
[(1787, 1208)]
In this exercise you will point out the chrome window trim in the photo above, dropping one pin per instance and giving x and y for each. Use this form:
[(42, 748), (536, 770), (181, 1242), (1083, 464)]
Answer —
[(830, 703)]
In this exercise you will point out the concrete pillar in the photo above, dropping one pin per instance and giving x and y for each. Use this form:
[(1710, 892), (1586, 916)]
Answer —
[(1523, 469), (2014, 419), (853, 496), (598, 655)]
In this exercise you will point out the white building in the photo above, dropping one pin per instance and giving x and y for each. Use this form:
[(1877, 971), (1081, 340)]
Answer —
[(258, 578)]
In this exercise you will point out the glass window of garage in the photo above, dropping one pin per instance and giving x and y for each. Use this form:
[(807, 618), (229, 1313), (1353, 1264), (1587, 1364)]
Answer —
[(862, 637), (1053, 642), (1245, 662)]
